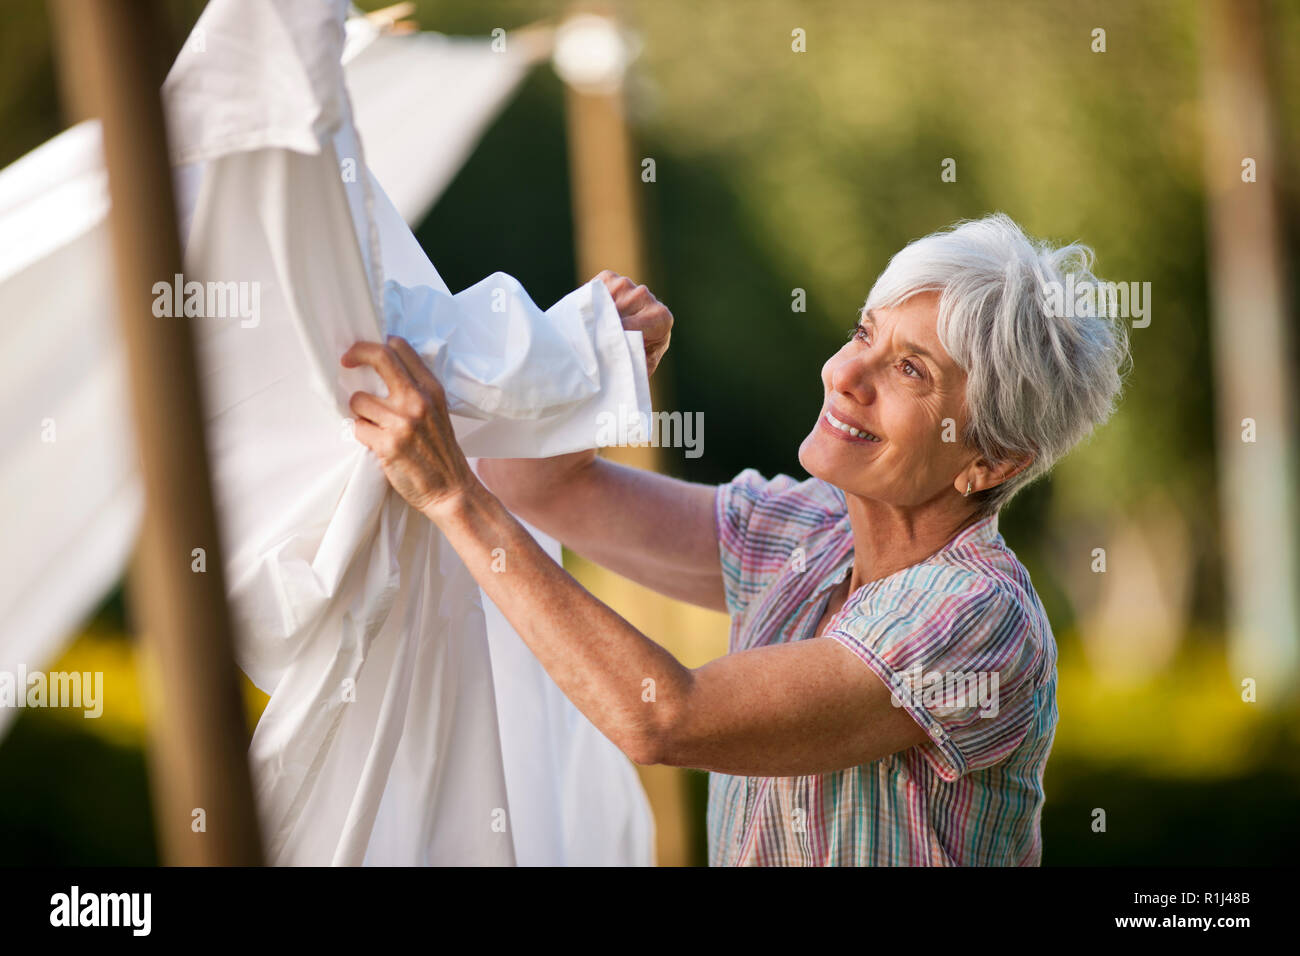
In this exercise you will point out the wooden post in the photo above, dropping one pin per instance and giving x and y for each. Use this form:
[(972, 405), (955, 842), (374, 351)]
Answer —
[(110, 57), (604, 177), (1254, 376)]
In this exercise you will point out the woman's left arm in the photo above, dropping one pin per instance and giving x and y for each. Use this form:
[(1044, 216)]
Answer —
[(801, 708)]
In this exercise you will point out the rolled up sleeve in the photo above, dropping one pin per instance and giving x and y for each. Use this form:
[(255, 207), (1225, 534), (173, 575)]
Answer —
[(960, 657)]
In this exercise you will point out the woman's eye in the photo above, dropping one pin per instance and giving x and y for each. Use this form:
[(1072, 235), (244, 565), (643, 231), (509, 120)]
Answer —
[(912, 369), (858, 332)]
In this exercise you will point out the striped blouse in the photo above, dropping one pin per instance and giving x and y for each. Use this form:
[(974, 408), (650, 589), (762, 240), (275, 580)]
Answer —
[(962, 640)]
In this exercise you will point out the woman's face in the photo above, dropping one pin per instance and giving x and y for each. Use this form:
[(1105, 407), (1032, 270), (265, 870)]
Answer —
[(894, 380)]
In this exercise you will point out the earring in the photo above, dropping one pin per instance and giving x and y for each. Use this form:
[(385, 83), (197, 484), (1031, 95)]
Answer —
[(967, 491)]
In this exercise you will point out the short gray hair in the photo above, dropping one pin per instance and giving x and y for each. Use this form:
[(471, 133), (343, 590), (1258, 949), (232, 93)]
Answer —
[(1036, 382)]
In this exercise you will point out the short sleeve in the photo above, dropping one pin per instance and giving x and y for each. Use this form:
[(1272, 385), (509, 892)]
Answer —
[(751, 532), (959, 655)]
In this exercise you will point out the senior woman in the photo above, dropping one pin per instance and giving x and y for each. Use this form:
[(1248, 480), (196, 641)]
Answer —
[(889, 692)]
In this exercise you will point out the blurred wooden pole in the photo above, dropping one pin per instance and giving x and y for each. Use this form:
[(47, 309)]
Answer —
[(110, 54), (607, 224), (606, 215), (1255, 378)]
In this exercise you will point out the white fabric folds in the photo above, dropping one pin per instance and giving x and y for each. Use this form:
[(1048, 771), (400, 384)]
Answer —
[(381, 742)]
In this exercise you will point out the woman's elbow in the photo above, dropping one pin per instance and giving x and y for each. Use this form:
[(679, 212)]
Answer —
[(642, 751), (657, 742)]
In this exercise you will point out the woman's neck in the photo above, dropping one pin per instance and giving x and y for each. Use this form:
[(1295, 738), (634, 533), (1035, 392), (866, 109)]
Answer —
[(887, 539)]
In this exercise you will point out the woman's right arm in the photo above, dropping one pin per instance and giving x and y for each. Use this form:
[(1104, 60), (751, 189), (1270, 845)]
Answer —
[(656, 530)]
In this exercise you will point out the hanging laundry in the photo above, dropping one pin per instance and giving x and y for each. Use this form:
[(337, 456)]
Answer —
[(380, 742)]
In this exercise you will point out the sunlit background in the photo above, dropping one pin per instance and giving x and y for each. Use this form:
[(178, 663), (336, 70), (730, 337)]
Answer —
[(776, 171)]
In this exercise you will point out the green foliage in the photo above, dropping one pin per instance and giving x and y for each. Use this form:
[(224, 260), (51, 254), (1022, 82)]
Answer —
[(71, 797)]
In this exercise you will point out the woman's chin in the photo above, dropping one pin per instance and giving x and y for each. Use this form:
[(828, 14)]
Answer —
[(808, 454), (818, 460)]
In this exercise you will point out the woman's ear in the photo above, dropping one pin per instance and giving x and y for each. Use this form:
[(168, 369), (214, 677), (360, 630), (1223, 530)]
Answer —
[(990, 475)]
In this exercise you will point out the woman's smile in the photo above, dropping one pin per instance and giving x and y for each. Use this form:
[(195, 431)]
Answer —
[(846, 429)]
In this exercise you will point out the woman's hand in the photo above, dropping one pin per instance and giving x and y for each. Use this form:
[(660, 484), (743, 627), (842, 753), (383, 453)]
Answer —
[(641, 312), (409, 430)]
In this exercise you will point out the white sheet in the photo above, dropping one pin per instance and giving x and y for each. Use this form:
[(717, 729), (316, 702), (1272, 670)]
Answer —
[(65, 538)]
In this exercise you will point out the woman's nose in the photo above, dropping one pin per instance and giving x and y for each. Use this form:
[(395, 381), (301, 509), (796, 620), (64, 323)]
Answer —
[(853, 376)]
